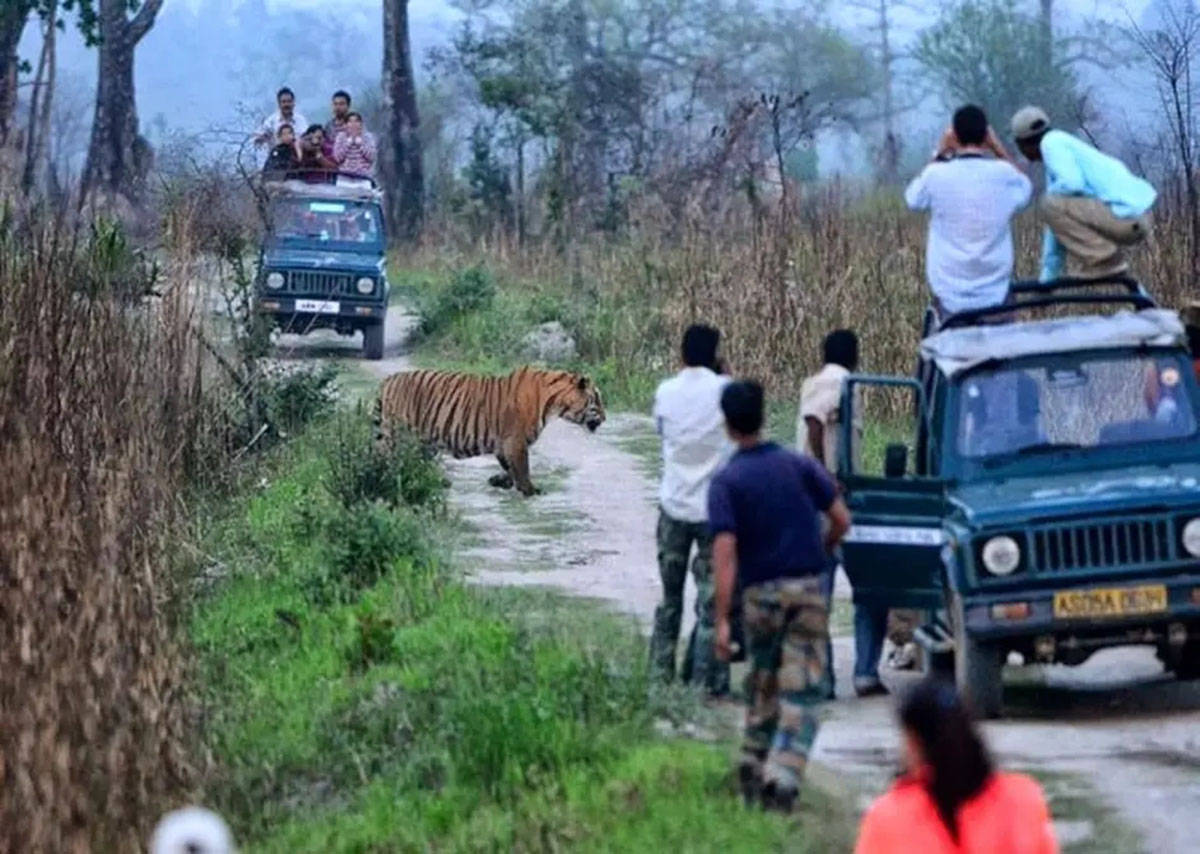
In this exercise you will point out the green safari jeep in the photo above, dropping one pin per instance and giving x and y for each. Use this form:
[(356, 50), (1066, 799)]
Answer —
[(322, 261), (1052, 503)]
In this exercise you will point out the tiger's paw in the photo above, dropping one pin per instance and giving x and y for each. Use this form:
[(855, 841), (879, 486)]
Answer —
[(501, 481)]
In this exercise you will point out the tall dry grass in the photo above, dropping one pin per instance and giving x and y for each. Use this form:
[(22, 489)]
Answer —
[(99, 392), (774, 280)]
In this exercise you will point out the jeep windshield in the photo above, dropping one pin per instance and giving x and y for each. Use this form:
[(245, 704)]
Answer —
[(1074, 401), (327, 221)]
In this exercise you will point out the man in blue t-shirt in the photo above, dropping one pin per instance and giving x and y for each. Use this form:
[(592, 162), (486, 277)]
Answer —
[(764, 511)]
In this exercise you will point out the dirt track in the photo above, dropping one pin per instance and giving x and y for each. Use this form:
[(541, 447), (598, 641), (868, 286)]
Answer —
[(1116, 741)]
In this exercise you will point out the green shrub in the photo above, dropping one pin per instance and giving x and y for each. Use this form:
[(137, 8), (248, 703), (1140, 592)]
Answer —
[(400, 470), (467, 291), (295, 398)]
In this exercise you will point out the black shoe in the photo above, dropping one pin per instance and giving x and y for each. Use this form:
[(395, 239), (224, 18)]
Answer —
[(777, 798), (869, 687), (750, 783)]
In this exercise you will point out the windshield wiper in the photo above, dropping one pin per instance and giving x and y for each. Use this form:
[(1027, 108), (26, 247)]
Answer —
[(1029, 450), (1046, 448)]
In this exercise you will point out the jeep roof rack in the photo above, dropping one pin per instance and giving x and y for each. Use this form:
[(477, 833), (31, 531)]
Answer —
[(332, 184), (1024, 295)]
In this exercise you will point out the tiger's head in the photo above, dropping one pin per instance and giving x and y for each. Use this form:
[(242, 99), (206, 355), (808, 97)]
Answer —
[(581, 403)]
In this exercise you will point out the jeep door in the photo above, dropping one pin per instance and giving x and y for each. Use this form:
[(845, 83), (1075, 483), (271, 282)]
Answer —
[(892, 554)]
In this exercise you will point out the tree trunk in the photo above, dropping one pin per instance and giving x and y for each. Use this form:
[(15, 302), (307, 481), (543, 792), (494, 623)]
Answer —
[(41, 104), (118, 158), (404, 179), (13, 16), (1047, 25)]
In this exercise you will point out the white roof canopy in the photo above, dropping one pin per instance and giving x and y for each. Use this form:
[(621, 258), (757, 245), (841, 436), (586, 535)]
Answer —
[(958, 350), (345, 187)]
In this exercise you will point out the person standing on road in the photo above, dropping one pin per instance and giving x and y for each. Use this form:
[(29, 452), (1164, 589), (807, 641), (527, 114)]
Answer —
[(1094, 207), (951, 800), (687, 413), (764, 511), (818, 434), (972, 190)]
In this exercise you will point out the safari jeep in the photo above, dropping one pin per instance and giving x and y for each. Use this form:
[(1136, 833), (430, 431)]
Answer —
[(322, 263), (1047, 498)]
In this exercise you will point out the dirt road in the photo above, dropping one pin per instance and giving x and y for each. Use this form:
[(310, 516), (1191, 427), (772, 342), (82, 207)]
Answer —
[(1116, 743)]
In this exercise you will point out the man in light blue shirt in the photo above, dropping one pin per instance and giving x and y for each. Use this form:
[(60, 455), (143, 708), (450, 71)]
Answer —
[(1094, 207)]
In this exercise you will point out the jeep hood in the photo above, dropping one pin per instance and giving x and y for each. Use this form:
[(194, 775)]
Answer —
[(283, 258), (1078, 493)]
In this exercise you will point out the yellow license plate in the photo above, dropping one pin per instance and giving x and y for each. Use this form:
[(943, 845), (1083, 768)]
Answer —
[(1110, 601)]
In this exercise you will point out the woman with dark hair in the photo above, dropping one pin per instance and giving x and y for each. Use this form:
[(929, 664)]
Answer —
[(951, 799)]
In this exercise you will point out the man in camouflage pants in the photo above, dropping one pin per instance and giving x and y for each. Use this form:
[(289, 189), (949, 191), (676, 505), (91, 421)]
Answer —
[(764, 510), (687, 413)]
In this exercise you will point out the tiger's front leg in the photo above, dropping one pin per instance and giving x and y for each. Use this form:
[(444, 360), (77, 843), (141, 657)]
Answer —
[(517, 454)]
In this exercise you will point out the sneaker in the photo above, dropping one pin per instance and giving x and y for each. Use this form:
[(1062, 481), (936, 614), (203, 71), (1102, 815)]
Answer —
[(868, 686), (903, 657)]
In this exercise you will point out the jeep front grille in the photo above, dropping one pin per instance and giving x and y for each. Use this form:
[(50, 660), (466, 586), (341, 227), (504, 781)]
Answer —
[(1119, 544), (313, 283)]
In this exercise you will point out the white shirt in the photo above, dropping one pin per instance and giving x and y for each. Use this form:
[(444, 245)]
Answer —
[(273, 122), (821, 398), (687, 411), (969, 254)]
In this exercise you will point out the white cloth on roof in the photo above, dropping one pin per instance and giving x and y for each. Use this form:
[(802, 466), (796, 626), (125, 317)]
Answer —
[(969, 252), (958, 350), (687, 412)]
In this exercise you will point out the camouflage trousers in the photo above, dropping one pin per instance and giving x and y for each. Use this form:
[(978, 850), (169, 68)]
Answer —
[(675, 540), (787, 632)]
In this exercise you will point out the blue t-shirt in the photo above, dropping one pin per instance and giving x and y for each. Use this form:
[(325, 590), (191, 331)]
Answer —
[(771, 500)]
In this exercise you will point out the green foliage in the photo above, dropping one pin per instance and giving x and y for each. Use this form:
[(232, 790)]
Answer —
[(113, 266), (994, 54), (399, 470), (292, 399), (464, 292)]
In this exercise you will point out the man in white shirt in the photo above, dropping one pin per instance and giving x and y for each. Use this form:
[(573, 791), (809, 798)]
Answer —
[(285, 115), (972, 191), (687, 412)]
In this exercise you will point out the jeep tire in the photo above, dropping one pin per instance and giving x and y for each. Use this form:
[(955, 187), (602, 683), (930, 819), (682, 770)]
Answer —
[(1186, 663), (373, 341), (978, 668)]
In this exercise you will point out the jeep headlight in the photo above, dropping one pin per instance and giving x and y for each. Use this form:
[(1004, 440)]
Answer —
[(1191, 537), (365, 285), (1001, 555), (275, 281)]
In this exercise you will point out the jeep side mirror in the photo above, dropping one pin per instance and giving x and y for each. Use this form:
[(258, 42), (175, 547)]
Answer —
[(895, 460)]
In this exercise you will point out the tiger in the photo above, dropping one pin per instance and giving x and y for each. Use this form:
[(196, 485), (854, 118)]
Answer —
[(468, 415)]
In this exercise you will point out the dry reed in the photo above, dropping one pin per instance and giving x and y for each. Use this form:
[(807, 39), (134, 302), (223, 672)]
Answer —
[(98, 414)]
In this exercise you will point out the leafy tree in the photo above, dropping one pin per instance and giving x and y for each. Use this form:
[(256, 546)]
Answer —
[(991, 53)]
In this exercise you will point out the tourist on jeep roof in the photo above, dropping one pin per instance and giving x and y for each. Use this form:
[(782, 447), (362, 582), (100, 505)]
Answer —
[(1094, 207), (285, 115), (341, 114), (972, 190), (354, 148)]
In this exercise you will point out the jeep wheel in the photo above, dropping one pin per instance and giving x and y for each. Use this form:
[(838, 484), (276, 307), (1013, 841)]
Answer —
[(373, 341), (978, 668), (1187, 664)]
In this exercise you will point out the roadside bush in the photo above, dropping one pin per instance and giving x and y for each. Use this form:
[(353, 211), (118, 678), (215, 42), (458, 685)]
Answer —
[(400, 470), (295, 398), (366, 539), (466, 291)]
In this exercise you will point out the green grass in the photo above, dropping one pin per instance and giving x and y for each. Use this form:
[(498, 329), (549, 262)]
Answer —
[(356, 696), (1073, 800)]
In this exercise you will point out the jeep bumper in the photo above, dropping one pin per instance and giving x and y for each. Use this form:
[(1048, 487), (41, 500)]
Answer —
[(1015, 615), (294, 314)]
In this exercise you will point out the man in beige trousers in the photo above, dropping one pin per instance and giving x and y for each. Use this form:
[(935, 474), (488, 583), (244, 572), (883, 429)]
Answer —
[(1094, 207)]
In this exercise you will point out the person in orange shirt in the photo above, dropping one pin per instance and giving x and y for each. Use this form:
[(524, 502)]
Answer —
[(952, 800)]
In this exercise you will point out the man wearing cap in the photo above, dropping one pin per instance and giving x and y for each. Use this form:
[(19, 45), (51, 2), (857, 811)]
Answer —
[(1094, 207)]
